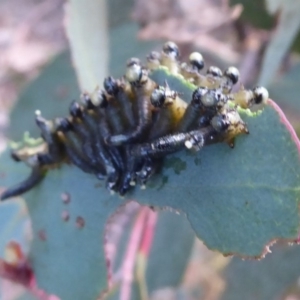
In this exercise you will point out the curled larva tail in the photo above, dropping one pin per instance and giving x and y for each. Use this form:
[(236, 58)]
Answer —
[(36, 176)]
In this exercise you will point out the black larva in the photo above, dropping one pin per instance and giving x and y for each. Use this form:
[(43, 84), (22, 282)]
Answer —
[(123, 132)]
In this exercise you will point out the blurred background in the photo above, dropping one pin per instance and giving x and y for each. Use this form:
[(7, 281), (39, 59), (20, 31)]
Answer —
[(260, 37)]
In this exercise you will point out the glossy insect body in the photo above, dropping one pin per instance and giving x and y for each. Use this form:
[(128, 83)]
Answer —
[(123, 132)]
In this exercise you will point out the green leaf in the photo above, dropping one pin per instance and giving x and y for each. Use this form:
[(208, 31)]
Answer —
[(87, 30), (270, 278), (236, 200)]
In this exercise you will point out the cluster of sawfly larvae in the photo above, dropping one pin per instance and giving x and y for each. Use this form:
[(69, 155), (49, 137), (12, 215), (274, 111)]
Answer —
[(121, 133)]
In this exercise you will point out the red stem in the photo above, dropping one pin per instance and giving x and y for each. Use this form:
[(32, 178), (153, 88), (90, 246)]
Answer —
[(149, 230), (130, 255)]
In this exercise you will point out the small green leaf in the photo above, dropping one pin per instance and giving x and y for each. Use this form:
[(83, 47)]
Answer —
[(87, 30)]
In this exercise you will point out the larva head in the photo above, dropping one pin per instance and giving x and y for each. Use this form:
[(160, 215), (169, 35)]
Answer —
[(196, 60), (213, 99), (153, 60), (171, 50), (163, 96), (86, 100), (233, 74), (43, 124), (101, 100), (214, 71), (158, 97), (154, 55), (134, 70), (63, 124), (209, 99), (220, 123), (229, 123), (75, 109), (260, 95), (198, 96), (136, 75), (110, 85)]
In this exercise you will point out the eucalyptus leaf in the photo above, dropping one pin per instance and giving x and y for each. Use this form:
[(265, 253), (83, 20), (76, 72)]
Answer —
[(237, 201), (87, 30)]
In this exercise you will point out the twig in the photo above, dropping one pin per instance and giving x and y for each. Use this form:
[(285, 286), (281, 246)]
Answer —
[(115, 229), (145, 247), (130, 255)]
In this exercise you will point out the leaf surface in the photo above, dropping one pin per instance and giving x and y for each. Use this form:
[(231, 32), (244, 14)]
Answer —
[(271, 278)]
